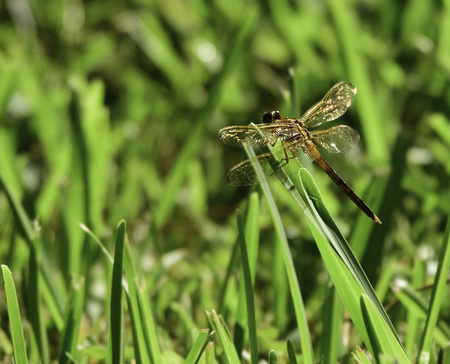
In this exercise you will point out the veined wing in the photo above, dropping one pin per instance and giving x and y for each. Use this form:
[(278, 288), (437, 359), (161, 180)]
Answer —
[(257, 135), (334, 104), (269, 164), (339, 139)]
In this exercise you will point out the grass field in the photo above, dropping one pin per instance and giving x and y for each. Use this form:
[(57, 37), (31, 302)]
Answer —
[(120, 239)]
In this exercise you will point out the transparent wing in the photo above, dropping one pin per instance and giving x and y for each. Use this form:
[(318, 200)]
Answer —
[(257, 135), (269, 164), (334, 104), (339, 139)]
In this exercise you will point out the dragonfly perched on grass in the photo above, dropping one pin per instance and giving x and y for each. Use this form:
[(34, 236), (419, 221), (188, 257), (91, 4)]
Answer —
[(295, 138)]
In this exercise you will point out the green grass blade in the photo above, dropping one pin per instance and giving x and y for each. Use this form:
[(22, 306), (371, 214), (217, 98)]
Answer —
[(29, 232), (116, 336), (381, 337), (273, 357), (252, 240), (446, 355), (294, 285), (15, 322), (250, 302), (72, 321), (291, 353), (361, 357), (98, 242), (332, 327), (437, 294), (223, 335), (343, 267), (34, 306), (200, 344), (305, 193), (132, 295), (230, 268), (149, 327)]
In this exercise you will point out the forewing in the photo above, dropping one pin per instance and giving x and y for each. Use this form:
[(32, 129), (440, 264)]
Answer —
[(245, 173), (339, 139), (257, 135), (334, 104)]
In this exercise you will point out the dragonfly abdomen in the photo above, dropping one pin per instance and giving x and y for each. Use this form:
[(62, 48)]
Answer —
[(317, 157)]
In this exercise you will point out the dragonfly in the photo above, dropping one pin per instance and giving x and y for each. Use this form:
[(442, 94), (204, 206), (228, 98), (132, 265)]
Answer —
[(296, 139)]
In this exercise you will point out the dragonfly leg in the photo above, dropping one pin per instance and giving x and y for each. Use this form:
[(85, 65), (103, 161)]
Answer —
[(286, 158)]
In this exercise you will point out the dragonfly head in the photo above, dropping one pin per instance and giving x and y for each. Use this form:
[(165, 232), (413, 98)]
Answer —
[(271, 117)]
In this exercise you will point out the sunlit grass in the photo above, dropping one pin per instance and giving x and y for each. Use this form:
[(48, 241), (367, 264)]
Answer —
[(110, 113)]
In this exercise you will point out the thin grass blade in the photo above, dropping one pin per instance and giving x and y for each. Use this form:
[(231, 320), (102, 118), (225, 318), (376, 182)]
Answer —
[(249, 299), (116, 332), (437, 293), (72, 321), (15, 321), (300, 314)]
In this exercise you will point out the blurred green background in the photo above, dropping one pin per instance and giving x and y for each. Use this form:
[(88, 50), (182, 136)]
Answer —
[(111, 110)]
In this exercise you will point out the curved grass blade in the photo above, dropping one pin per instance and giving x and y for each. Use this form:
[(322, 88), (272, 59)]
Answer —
[(347, 274), (305, 193)]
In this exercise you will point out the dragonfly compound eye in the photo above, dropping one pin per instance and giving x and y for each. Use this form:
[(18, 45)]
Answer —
[(270, 117)]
